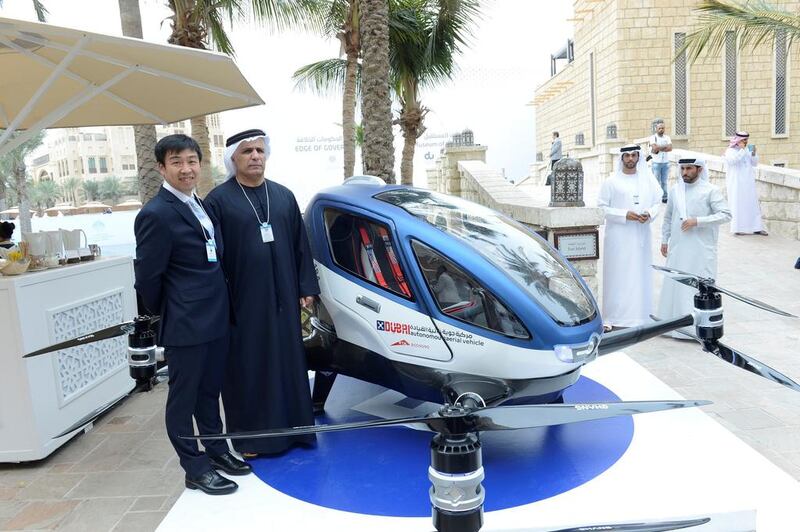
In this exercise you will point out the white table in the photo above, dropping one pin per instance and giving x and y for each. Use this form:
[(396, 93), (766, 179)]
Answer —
[(42, 396)]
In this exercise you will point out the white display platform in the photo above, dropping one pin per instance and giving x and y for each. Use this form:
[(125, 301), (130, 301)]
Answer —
[(680, 465), (42, 396)]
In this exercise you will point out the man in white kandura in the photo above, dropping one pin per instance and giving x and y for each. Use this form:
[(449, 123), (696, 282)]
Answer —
[(740, 176), (631, 198), (695, 211)]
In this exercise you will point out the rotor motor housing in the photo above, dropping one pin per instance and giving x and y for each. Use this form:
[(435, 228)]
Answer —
[(142, 356), (456, 473), (708, 315)]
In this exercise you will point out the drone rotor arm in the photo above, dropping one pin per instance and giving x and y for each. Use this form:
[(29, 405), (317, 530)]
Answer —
[(616, 340)]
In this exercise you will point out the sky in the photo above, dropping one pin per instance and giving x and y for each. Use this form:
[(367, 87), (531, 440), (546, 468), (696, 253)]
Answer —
[(509, 55)]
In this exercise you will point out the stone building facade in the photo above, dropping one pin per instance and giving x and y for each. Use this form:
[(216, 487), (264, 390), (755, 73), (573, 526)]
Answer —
[(622, 76), (94, 153)]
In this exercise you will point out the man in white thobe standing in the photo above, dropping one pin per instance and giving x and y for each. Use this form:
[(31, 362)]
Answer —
[(740, 177), (689, 234), (631, 198)]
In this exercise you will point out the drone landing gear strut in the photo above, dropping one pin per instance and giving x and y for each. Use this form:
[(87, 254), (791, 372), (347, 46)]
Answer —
[(323, 382), (456, 473)]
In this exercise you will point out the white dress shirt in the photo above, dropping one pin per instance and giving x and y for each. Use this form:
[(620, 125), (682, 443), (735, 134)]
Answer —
[(194, 205)]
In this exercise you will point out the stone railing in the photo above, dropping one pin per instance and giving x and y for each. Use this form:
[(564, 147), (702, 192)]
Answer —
[(463, 172), (778, 191)]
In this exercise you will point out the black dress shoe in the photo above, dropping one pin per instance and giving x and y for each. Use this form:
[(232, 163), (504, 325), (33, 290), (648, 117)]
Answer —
[(212, 483), (230, 464)]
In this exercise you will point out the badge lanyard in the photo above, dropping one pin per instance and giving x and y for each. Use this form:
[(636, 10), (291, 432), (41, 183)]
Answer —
[(265, 227), (211, 245)]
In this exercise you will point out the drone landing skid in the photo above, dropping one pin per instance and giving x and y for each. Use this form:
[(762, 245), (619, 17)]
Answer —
[(323, 382)]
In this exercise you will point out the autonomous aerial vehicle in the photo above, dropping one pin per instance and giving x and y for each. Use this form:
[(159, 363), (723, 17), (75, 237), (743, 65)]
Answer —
[(447, 301)]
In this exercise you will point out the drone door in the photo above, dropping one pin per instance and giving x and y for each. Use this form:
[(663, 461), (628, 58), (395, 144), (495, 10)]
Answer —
[(376, 303)]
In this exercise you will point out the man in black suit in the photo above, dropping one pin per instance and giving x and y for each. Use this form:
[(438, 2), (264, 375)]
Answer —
[(179, 276)]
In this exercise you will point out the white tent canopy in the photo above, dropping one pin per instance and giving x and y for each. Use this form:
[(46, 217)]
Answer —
[(60, 77)]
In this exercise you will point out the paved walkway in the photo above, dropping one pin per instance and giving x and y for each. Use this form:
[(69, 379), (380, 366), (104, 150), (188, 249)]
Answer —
[(123, 475)]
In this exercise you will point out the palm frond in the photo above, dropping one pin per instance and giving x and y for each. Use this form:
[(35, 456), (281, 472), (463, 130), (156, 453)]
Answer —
[(325, 77), (41, 11), (284, 14), (38, 6), (216, 31), (335, 15), (754, 23)]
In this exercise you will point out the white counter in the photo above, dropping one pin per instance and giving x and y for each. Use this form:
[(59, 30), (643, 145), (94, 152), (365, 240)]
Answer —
[(42, 396)]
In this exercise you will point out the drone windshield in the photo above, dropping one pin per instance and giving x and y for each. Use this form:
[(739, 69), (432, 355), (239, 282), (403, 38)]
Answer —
[(529, 261)]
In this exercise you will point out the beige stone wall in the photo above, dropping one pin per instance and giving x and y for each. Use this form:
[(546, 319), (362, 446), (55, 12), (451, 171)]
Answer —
[(633, 44), (563, 103), (462, 171)]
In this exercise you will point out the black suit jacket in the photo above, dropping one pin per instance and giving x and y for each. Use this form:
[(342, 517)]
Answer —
[(173, 274)]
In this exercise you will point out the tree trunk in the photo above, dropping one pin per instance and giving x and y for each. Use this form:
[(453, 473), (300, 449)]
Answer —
[(411, 118), (144, 136), (200, 134), (349, 114), (3, 195), (351, 44), (148, 177), (376, 105), (22, 196)]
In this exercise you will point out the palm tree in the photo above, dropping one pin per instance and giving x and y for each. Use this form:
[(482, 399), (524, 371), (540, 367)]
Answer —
[(13, 164), (200, 23), (376, 103), (91, 189), (149, 178), (342, 20), (44, 194), (443, 27), (71, 185), (424, 37), (110, 189), (754, 22)]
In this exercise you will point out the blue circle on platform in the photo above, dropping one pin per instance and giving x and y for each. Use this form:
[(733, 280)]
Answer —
[(384, 471)]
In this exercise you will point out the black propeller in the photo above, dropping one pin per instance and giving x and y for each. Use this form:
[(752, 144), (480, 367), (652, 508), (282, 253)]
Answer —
[(103, 334), (457, 420), (640, 527), (694, 281), (97, 412), (746, 362)]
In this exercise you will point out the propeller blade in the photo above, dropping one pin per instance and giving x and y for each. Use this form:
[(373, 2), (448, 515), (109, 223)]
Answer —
[(754, 302), (530, 416), (693, 280), (94, 415), (740, 360), (494, 418), (103, 334), (314, 429), (616, 340), (662, 526)]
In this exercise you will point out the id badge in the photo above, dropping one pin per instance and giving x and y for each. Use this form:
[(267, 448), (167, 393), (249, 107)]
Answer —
[(211, 250), (266, 233)]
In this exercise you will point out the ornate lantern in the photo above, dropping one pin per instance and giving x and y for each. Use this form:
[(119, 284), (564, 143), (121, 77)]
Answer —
[(567, 187), (467, 137)]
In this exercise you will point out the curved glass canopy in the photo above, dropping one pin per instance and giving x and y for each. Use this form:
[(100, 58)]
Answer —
[(533, 265)]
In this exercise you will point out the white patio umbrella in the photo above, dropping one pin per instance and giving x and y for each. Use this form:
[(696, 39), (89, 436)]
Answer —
[(60, 77)]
